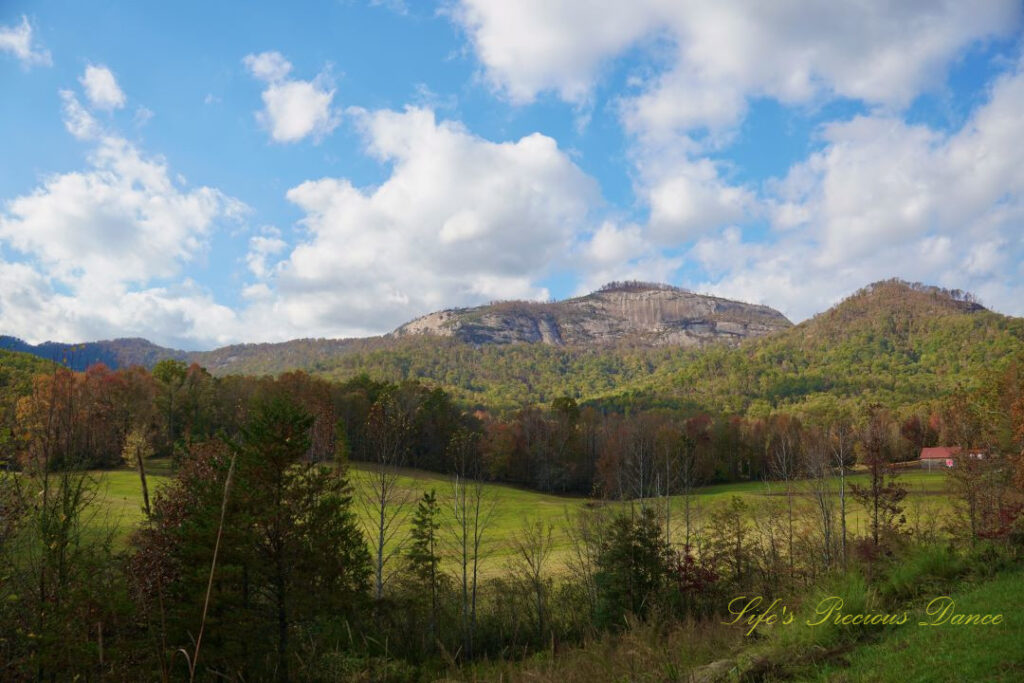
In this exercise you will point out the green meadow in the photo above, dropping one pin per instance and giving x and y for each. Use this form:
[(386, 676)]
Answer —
[(946, 651), (119, 497)]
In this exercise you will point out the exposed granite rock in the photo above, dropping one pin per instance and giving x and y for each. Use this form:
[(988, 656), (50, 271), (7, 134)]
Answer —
[(644, 313)]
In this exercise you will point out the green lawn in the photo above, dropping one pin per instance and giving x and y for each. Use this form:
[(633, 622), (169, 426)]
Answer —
[(121, 496), (913, 653)]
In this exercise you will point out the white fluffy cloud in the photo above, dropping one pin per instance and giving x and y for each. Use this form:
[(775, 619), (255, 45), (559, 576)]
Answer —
[(77, 119), (884, 197), (460, 219), (621, 252), (718, 52), (101, 88), (292, 109), (268, 66), (709, 57), (687, 198), (17, 40), (123, 220), (530, 46), (261, 248), (97, 247), (37, 309)]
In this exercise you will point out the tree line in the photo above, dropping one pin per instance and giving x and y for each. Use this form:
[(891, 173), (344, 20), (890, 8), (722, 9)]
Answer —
[(261, 560)]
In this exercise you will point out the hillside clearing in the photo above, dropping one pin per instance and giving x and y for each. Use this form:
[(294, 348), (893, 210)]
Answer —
[(120, 504)]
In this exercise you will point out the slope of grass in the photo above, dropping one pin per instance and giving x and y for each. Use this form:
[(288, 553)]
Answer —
[(914, 653), (120, 503)]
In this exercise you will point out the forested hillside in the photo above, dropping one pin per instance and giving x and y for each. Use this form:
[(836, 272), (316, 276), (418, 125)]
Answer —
[(17, 371), (260, 482), (893, 342), (113, 353)]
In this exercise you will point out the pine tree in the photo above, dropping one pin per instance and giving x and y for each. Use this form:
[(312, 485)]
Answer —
[(291, 557), (631, 566), (423, 557)]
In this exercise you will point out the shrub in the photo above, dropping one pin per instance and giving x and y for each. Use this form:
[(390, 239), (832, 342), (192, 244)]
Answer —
[(632, 567), (923, 570)]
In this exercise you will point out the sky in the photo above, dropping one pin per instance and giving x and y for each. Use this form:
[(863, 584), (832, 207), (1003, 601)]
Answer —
[(202, 173)]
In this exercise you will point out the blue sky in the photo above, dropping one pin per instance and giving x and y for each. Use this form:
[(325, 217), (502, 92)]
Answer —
[(207, 173)]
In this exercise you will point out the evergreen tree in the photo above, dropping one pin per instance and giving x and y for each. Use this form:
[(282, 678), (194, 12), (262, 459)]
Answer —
[(291, 558), (632, 566), (423, 557)]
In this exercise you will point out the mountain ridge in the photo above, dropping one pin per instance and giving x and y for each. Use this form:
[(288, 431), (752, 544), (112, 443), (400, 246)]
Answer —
[(649, 314), (891, 341)]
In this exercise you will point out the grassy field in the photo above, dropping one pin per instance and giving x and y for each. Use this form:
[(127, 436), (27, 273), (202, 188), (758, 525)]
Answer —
[(120, 497), (946, 652)]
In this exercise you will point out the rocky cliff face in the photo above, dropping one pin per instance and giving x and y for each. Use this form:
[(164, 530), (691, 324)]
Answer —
[(635, 312)]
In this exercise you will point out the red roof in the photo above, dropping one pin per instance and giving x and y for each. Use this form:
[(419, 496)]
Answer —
[(939, 452)]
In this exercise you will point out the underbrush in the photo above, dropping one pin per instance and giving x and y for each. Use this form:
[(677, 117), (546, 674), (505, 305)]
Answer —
[(900, 591), (643, 651), (920, 654), (711, 649)]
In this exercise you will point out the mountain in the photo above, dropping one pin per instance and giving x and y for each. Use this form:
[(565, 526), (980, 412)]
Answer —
[(893, 342), (640, 312), (273, 358), (114, 353), (633, 312)]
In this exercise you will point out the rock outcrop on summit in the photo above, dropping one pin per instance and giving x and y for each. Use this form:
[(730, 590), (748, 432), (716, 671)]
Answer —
[(644, 313)]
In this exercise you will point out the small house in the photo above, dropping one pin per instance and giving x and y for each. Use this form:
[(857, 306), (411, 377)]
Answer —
[(944, 456)]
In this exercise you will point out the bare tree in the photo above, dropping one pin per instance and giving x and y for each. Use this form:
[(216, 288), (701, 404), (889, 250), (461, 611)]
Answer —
[(784, 465), (640, 477), (841, 438), (472, 510), (883, 495), (669, 442), (137, 448), (532, 547), (973, 477), (818, 467), (585, 530), (384, 502), (688, 476)]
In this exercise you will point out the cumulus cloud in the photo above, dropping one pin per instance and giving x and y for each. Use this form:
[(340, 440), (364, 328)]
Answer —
[(460, 220), (621, 252), (99, 245), (721, 51), (709, 58), (530, 46), (261, 248), (17, 40), (123, 220), (184, 316), (687, 198), (885, 197), (101, 88), (292, 109), (881, 197), (77, 119), (268, 66)]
